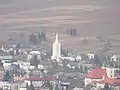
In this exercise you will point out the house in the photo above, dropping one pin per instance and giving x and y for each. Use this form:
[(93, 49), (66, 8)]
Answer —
[(38, 82), (20, 77), (78, 88), (7, 65), (78, 58), (33, 53), (91, 56), (114, 83), (5, 56), (1, 73), (68, 58), (97, 74), (22, 88), (111, 68), (24, 65), (5, 85), (100, 76), (115, 57), (65, 85)]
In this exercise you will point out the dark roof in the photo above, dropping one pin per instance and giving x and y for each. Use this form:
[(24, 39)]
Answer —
[(77, 83), (2, 53), (42, 79)]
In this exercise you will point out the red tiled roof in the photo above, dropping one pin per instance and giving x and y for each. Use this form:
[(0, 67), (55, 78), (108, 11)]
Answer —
[(42, 79), (97, 73)]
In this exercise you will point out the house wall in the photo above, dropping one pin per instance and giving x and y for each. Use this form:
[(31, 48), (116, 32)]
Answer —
[(24, 65), (111, 72), (30, 56), (1, 73), (9, 57), (88, 81), (23, 89), (99, 85), (35, 83), (117, 88)]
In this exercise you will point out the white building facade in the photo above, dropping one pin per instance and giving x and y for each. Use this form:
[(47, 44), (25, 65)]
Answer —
[(56, 50)]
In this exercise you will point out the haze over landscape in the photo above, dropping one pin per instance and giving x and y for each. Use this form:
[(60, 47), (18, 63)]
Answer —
[(89, 17), (59, 45)]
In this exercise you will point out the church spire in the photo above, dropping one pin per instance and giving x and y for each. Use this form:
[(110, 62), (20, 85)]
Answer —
[(56, 50), (56, 40), (2, 48)]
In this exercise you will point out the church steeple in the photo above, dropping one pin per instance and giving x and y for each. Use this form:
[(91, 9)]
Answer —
[(2, 48), (56, 50), (56, 39)]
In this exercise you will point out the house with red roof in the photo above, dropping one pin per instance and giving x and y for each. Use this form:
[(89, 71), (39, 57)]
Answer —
[(114, 83), (97, 74), (99, 77)]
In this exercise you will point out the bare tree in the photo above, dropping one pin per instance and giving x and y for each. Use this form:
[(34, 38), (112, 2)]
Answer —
[(34, 61)]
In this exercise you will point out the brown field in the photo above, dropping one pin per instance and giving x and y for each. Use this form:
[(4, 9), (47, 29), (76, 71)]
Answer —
[(91, 18)]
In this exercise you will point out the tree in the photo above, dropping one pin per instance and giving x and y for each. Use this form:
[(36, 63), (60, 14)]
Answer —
[(1, 64), (18, 46), (56, 87), (81, 69), (11, 52), (100, 39), (7, 76), (85, 68), (39, 38), (73, 32), (97, 61), (42, 73), (34, 61), (27, 86), (107, 45), (32, 39), (31, 86), (43, 36), (106, 87), (49, 85), (88, 87)]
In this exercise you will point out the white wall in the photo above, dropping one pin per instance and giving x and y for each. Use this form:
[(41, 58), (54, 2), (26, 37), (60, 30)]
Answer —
[(23, 89), (88, 81)]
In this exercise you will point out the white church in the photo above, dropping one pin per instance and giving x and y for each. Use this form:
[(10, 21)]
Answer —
[(56, 51)]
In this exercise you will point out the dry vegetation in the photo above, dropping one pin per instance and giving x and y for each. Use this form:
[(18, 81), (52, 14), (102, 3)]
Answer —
[(91, 18)]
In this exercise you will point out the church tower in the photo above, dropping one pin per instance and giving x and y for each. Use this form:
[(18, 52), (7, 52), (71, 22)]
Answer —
[(56, 50)]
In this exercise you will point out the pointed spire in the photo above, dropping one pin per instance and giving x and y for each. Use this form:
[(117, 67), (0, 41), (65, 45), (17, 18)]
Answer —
[(56, 40), (2, 48)]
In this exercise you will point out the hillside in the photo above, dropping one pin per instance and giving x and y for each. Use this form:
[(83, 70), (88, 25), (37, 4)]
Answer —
[(91, 18)]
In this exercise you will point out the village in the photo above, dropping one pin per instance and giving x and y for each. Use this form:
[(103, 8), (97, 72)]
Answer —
[(34, 69)]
